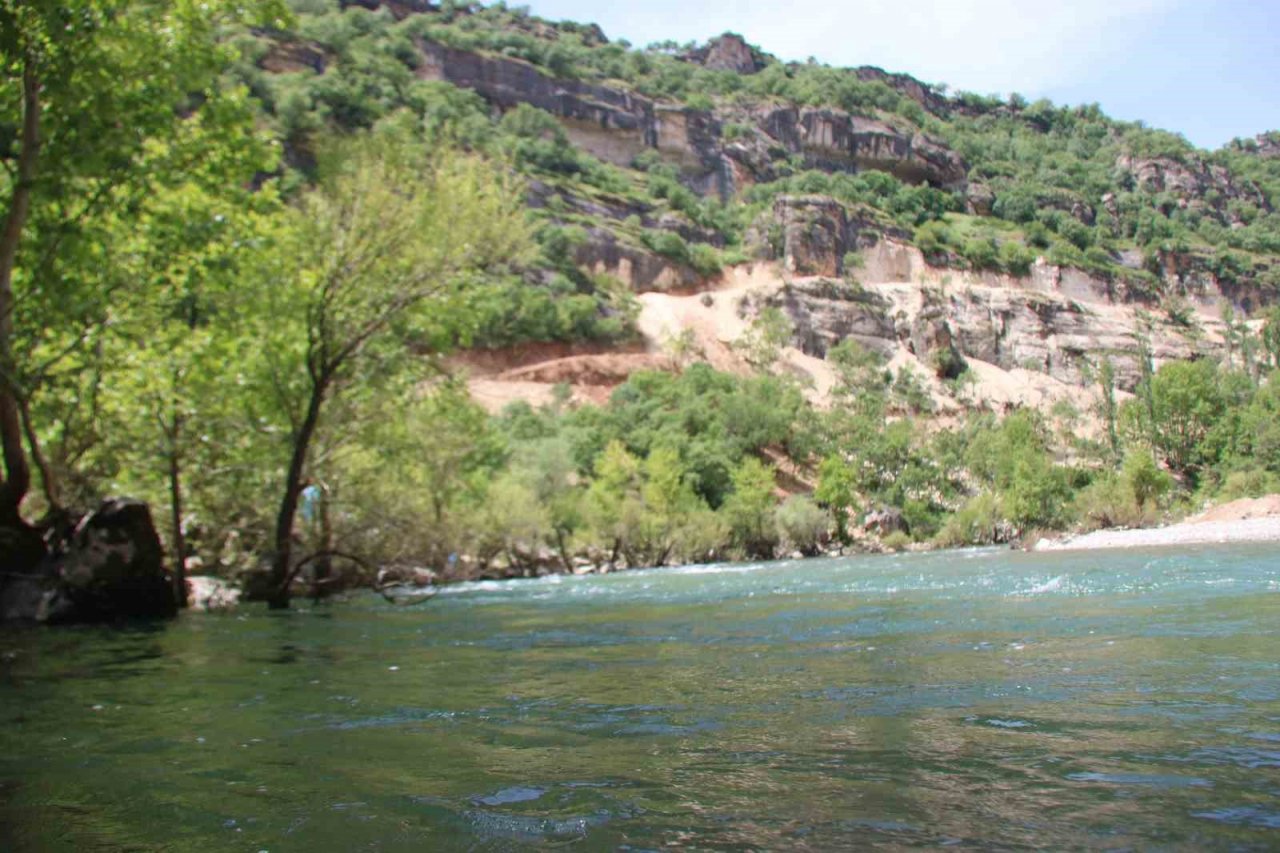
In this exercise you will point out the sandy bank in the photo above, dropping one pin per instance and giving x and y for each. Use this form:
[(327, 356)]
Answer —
[(1247, 520)]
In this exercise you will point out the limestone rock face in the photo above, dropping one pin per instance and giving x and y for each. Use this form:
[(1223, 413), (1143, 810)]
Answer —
[(507, 82), (815, 234), (729, 52), (617, 125), (641, 270), (933, 342), (827, 311), (287, 57), (837, 141), (907, 85), (1058, 322)]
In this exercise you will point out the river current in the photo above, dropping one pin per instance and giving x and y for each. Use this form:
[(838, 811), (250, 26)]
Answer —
[(974, 699)]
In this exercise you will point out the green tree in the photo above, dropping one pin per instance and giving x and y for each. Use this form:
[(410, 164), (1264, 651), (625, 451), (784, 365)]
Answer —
[(1144, 479), (1107, 404), (749, 509), (392, 232), (802, 524), (668, 502), (762, 343), (613, 497), (164, 398), (838, 491), (1184, 402), (101, 94)]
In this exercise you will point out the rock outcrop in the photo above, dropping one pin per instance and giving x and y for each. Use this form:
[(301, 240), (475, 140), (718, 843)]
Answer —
[(837, 141), (1268, 145), (1194, 183), (617, 125), (828, 311), (811, 235), (816, 234), (1058, 322), (290, 57), (610, 123), (729, 52), (110, 566), (641, 270), (931, 340)]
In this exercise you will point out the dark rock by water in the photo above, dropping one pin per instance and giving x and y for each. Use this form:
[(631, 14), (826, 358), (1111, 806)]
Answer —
[(108, 566)]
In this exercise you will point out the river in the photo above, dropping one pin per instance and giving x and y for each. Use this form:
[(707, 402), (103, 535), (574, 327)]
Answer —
[(975, 699)]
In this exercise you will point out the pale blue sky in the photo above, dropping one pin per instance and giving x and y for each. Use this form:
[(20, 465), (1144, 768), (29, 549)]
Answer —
[(1208, 70)]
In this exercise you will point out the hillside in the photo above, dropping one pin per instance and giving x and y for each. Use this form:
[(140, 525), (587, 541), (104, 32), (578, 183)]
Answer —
[(933, 228)]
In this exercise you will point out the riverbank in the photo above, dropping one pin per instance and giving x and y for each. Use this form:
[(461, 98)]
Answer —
[(1246, 520)]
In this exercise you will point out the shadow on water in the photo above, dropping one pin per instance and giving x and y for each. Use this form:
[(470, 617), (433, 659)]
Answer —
[(976, 699)]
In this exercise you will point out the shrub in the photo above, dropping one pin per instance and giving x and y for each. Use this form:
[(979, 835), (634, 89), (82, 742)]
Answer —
[(1016, 258), (802, 525), (1179, 311), (1250, 483), (978, 522), (933, 238), (705, 259), (749, 509), (1037, 492), (981, 254), (1108, 502), (896, 541), (669, 244), (1144, 480)]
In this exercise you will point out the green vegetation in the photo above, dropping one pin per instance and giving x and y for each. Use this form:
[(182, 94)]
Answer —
[(234, 249)]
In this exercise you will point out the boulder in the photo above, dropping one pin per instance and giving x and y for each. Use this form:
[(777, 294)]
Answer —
[(886, 520), (408, 575), (107, 566), (979, 199), (112, 568)]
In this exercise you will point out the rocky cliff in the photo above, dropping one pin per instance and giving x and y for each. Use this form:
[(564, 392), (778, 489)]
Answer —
[(1125, 242), (1052, 322), (617, 125)]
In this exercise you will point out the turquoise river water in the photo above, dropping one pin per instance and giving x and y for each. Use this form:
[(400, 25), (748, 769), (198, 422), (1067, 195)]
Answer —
[(974, 699)]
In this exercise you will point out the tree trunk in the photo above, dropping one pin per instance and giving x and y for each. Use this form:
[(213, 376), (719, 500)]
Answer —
[(17, 479), (47, 479), (175, 508), (279, 599), (563, 548)]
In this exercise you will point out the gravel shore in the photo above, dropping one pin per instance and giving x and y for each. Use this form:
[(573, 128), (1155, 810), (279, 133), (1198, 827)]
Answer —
[(1188, 533)]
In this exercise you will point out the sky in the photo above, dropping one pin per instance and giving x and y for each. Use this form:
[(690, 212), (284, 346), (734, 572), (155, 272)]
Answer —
[(1209, 70)]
